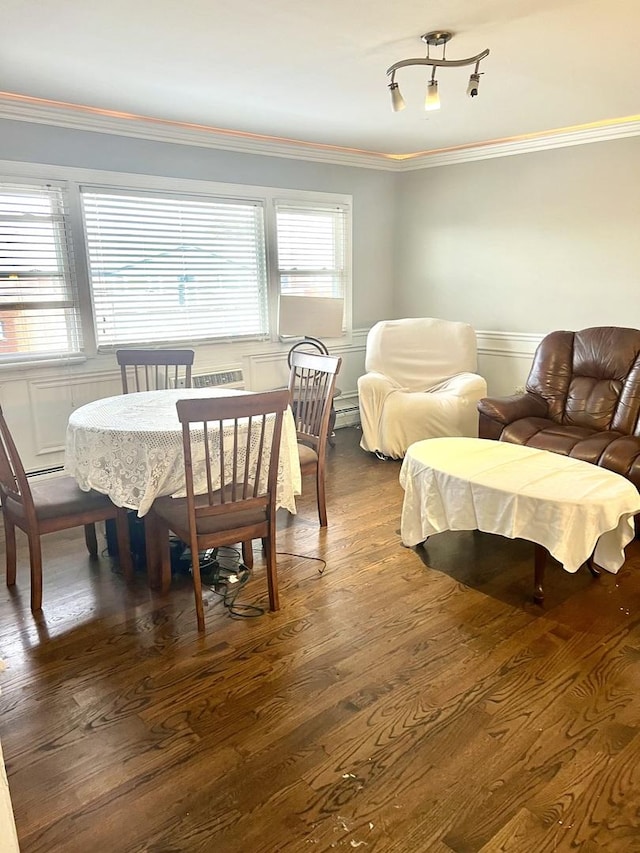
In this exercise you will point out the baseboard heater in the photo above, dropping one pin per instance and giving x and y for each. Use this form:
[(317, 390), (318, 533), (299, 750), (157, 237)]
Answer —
[(53, 470), (231, 377), (347, 414)]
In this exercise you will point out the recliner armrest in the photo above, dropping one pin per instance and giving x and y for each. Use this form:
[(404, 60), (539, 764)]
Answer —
[(497, 412), (505, 410)]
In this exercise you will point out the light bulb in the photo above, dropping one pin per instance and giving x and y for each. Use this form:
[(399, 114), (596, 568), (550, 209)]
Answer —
[(432, 101), (397, 101)]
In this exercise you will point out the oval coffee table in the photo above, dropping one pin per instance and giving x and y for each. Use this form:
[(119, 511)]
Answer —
[(578, 512)]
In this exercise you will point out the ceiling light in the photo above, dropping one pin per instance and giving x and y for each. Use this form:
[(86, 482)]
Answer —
[(435, 38), (397, 101), (432, 99)]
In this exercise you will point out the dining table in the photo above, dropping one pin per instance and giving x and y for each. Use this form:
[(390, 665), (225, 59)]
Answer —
[(130, 448)]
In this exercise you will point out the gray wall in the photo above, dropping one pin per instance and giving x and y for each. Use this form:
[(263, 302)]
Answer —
[(373, 191), (524, 243)]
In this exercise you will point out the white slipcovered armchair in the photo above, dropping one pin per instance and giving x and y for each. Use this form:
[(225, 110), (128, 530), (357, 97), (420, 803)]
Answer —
[(420, 383)]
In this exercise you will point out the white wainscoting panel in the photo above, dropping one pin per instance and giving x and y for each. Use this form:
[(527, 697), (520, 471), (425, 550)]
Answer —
[(52, 400), (505, 359)]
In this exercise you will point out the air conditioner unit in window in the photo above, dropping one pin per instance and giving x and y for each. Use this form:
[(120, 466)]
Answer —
[(232, 377)]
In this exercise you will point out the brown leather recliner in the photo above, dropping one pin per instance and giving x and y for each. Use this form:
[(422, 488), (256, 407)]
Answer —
[(582, 399)]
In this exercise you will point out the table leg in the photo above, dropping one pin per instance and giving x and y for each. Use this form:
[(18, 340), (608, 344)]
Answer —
[(152, 553), (593, 568), (540, 561)]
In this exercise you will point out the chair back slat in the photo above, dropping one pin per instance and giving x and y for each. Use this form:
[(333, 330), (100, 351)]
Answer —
[(208, 459), (221, 463), (247, 457), (154, 369), (260, 459), (245, 428), (312, 383)]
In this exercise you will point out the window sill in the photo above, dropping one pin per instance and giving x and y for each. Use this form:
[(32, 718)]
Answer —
[(38, 362)]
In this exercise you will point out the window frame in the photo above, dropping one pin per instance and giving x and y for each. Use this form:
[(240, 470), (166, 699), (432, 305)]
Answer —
[(341, 241), (95, 180)]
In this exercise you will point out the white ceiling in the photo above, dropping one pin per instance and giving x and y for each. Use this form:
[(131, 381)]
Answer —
[(315, 72)]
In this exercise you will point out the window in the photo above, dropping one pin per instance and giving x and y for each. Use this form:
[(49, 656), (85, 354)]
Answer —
[(172, 268), (38, 298), (91, 260), (312, 249)]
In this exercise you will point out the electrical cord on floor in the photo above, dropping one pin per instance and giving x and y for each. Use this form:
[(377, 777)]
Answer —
[(305, 557), (224, 574), (228, 580)]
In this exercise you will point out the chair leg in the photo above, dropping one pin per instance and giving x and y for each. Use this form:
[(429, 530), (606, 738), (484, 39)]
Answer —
[(539, 564), (197, 584), (322, 504), (10, 550), (272, 571), (35, 560), (91, 539), (247, 554), (124, 544), (332, 424)]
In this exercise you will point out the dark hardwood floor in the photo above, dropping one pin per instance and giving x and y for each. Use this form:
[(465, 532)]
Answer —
[(405, 700)]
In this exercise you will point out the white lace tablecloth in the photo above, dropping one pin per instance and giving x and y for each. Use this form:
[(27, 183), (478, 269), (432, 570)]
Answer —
[(130, 448), (572, 508)]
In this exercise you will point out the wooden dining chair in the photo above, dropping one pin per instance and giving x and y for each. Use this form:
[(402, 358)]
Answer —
[(48, 506), (312, 382), (154, 369), (231, 451)]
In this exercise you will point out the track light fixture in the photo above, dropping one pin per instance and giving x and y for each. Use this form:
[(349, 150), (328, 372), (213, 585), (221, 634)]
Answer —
[(436, 38)]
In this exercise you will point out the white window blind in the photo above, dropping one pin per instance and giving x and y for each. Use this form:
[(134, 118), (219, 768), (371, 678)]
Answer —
[(312, 249), (39, 315), (174, 268)]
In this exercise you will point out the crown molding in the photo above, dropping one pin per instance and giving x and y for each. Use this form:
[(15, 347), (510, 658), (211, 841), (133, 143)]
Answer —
[(36, 111), (39, 111), (522, 145)]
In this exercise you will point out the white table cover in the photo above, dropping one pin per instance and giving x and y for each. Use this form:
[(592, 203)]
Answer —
[(572, 508), (130, 448)]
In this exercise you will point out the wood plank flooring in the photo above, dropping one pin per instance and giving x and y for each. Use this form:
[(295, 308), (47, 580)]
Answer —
[(403, 701)]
